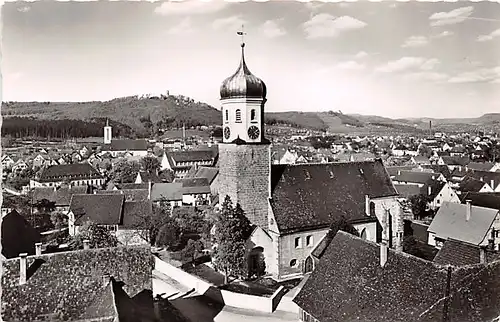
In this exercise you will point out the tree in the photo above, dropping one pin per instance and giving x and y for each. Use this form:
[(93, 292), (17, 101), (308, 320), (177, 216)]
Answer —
[(192, 249), (425, 151), (98, 237), (191, 220), (58, 219), (125, 171), (495, 152), (148, 223), (418, 205), (166, 175), (231, 233), (168, 235), (150, 164)]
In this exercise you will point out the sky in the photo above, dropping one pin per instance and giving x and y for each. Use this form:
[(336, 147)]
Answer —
[(393, 59)]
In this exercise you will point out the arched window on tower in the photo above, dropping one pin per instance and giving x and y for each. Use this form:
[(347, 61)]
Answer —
[(252, 115), (227, 115), (238, 116)]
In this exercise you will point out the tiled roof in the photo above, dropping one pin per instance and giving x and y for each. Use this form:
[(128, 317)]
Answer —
[(470, 184), (147, 176), (458, 253), (166, 191), (192, 155), (484, 166), (393, 171), (416, 176), (130, 194), (102, 209), (319, 194), (437, 168), (350, 285), (407, 190), (454, 160), (450, 222), (72, 282), (194, 185), (203, 172), (482, 199), (126, 145), (60, 195), (131, 186), (485, 176), (75, 171)]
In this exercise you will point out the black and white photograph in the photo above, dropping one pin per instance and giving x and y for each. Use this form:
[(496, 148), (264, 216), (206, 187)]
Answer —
[(260, 161)]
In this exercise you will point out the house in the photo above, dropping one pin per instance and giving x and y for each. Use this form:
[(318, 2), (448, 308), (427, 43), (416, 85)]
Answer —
[(358, 280), (492, 178), (130, 194), (39, 161), (19, 166), (459, 253), (416, 177), (396, 170), (61, 196), (195, 191), (181, 161), (18, 236), (106, 284), (210, 173), (167, 193), (419, 160), (7, 161), (123, 218), (467, 223), (453, 161), (77, 174), (145, 177), (436, 191), (436, 168), (481, 199), (469, 184), (483, 166)]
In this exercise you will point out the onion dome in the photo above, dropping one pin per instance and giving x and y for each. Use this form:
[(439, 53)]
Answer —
[(243, 84)]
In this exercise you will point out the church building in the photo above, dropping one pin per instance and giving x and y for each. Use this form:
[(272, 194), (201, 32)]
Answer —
[(115, 147), (292, 206)]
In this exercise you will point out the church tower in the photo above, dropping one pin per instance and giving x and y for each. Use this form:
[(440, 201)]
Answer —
[(245, 154), (107, 133)]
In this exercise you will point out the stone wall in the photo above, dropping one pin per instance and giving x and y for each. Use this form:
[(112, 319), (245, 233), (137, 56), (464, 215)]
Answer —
[(244, 175)]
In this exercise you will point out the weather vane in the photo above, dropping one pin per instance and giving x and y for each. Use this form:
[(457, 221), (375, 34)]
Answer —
[(242, 33)]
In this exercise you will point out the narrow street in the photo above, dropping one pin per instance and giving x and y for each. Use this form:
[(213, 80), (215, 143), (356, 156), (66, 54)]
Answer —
[(199, 308)]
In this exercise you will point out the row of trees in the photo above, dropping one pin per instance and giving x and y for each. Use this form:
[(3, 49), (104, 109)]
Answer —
[(24, 127), (126, 171)]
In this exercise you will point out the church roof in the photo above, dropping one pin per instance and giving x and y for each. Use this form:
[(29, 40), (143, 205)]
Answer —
[(126, 145), (310, 196), (350, 284), (243, 84)]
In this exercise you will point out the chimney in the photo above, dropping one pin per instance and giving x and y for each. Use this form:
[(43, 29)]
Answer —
[(22, 268), (469, 210), (460, 168), (38, 249), (367, 205), (105, 279), (399, 172), (482, 255), (86, 244), (149, 189), (383, 253), (429, 190), (492, 184)]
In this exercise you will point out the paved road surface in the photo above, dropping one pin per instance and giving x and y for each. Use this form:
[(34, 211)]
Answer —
[(199, 308)]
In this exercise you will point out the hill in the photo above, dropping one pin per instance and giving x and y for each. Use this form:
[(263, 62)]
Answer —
[(139, 114)]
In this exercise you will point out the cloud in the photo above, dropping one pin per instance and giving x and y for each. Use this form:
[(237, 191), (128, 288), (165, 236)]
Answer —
[(415, 41), (426, 76), (233, 22), (185, 26), (361, 54), (407, 63), (445, 33), (451, 17), (490, 36), (271, 29), (491, 75), (324, 25), (350, 65), (24, 9), (190, 7)]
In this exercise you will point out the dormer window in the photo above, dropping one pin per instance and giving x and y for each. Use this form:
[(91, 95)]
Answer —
[(238, 116), (252, 115)]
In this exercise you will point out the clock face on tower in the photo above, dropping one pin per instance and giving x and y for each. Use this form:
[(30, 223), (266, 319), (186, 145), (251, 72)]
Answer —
[(227, 132), (253, 132)]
